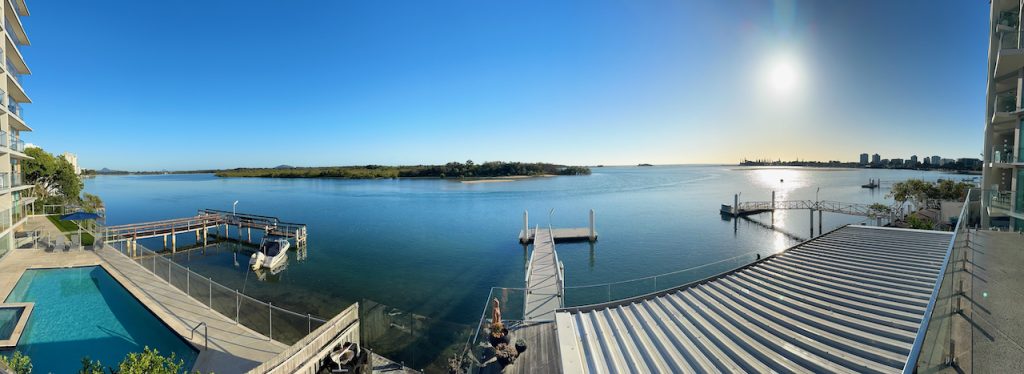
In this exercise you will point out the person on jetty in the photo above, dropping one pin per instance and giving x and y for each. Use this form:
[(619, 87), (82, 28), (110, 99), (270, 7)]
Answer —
[(504, 352)]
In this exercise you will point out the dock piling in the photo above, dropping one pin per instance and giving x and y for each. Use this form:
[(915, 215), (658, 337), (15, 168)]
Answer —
[(593, 232), (525, 237)]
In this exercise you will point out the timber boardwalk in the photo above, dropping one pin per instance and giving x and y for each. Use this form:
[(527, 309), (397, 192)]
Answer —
[(202, 223), (544, 280)]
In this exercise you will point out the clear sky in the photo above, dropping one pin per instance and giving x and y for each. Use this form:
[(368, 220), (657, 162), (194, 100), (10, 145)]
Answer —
[(151, 85)]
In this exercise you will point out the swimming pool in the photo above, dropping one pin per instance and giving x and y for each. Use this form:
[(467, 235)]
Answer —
[(85, 312)]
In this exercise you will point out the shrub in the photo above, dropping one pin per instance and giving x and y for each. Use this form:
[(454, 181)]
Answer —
[(19, 363)]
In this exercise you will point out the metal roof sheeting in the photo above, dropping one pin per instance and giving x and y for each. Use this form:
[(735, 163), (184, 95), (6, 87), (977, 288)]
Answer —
[(848, 301)]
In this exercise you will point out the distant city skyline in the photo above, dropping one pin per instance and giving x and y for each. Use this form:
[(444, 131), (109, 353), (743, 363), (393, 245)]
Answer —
[(355, 83)]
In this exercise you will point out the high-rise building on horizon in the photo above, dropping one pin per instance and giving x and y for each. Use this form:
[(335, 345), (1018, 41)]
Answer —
[(936, 160), (73, 160), (876, 158), (863, 158), (14, 199), (913, 159)]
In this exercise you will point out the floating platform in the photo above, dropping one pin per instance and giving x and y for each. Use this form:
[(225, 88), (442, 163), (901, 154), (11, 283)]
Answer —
[(577, 234)]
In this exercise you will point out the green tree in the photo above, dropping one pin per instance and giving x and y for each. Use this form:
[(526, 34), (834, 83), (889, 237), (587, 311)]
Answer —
[(54, 177), (150, 362), (19, 363)]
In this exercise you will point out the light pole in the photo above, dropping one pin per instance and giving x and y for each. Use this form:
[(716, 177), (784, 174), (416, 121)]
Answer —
[(233, 205)]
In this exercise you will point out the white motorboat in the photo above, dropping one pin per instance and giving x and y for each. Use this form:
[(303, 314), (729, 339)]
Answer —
[(271, 254)]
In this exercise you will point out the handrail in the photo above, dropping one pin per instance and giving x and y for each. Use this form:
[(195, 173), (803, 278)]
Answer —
[(529, 266), (206, 334), (915, 352), (662, 274), (559, 277)]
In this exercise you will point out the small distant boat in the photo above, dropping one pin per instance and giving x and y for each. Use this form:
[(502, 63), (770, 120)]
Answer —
[(872, 184), (272, 252)]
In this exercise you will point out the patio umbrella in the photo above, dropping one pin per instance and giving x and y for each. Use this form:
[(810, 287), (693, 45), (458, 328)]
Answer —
[(79, 216)]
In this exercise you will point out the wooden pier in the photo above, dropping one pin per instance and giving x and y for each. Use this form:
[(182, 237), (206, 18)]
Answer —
[(879, 212), (545, 282), (575, 234), (205, 221)]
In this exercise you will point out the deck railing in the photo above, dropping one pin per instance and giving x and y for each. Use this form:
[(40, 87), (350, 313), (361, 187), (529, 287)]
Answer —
[(932, 347), (305, 355), (513, 313), (576, 296), (262, 317)]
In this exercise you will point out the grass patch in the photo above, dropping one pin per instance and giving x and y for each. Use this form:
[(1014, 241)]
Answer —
[(69, 228)]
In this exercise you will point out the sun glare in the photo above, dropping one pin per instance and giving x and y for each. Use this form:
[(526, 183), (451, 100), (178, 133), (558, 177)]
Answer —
[(784, 76)]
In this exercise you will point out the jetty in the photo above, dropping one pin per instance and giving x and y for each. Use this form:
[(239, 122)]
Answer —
[(574, 234), (201, 225), (545, 281), (879, 212)]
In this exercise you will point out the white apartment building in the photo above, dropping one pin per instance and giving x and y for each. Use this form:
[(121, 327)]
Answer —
[(73, 160), (13, 191), (1003, 170)]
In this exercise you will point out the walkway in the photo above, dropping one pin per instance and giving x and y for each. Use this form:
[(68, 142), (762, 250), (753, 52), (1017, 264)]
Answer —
[(992, 324), (232, 348), (543, 279), (850, 301)]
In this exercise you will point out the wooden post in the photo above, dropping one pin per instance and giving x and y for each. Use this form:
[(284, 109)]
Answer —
[(593, 231), (165, 241), (736, 204), (174, 242), (204, 236), (820, 219), (248, 231)]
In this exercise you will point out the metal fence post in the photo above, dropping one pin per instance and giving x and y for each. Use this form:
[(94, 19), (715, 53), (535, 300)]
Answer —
[(169, 262), (309, 323), (188, 281), (237, 305), (210, 279), (270, 317)]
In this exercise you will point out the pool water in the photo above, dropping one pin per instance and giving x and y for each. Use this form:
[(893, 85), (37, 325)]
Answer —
[(8, 320), (85, 312)]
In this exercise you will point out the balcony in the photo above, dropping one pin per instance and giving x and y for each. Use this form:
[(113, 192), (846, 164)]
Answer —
[(1001, 200), (1002, 157), (1011, 53)]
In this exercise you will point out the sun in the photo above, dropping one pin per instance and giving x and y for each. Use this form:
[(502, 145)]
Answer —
[(784, 76)]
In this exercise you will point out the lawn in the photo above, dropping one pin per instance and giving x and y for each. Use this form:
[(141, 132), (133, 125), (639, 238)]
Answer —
[(70, 228)]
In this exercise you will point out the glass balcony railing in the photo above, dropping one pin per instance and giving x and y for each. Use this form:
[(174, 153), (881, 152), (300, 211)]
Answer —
[(14, 72), (15, 108), (1001, 199), (17, 7), (10, 31), (1006, 103), (16, 180), (1003, 157), (1007, 18), (1010, 40), (16, 144)]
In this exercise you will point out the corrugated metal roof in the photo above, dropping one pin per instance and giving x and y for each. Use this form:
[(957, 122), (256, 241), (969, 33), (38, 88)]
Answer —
[(849, 301)]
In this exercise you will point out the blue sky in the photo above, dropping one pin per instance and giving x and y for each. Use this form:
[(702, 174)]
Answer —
[(151, 85)]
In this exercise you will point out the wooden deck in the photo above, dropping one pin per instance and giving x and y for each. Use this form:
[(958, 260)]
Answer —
[(543, 279), (541, 355)]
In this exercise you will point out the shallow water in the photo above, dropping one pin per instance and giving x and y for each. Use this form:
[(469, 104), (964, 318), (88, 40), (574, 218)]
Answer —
[(431, 249)]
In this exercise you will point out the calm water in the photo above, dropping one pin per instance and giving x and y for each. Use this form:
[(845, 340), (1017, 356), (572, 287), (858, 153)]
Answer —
[(434, 248)]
